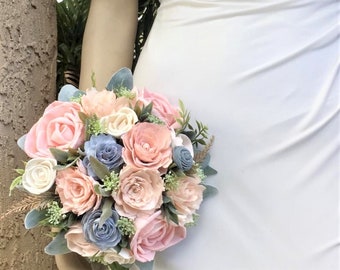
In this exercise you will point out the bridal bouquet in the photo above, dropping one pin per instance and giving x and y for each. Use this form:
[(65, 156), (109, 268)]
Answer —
[(118, 173)]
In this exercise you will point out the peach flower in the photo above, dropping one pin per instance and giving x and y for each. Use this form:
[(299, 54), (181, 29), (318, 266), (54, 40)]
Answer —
[(100, 103), (162, 108), (76, 191), (148, 145), (59, 127), (154, 234), (140, 192), (103, 103), (77, 243), (187, 198)]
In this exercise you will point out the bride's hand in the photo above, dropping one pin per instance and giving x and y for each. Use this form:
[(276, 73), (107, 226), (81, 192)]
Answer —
[(73, 261)]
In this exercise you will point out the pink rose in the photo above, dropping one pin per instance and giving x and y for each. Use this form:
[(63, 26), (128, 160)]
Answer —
[(187, 198), (76, 191), (162, 108), (154, 234), (140, 192), (77, 243), (148, 145), (59, 127)]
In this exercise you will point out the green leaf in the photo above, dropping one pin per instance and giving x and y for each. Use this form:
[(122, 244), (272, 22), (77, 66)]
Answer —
[(34, 217), (117, 266), (145, 266), (20, 171), (122, 78), (63, 167), (60, 155), (209, 191), (106, 211), (99, 168), (67, 92), (83, 117), (58, 245), (101, 191), (209, 171), (16, 182), (170, 212)]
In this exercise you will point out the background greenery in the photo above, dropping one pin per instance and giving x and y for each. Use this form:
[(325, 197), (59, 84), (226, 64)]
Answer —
[(71, 20)]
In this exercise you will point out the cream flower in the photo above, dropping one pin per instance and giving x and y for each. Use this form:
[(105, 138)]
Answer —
[(39, 175), (119, 122), (124, 256)]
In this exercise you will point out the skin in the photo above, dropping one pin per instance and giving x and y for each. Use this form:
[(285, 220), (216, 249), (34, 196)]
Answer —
[(107, 46), (108, 40)]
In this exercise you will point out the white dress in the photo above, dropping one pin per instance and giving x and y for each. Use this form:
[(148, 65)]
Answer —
[(264, 76)]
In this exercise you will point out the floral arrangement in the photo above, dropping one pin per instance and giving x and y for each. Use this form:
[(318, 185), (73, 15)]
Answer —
[(118, 173)]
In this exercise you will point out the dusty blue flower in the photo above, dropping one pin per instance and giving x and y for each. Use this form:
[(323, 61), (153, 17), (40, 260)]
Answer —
[(105, 236), (183, 158), (104, 148)]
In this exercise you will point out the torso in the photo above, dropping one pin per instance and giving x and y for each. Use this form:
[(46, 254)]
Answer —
[(263, 76)]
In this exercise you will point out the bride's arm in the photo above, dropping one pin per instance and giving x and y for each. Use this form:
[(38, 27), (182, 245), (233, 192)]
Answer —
[(107, 46), (108, 40)]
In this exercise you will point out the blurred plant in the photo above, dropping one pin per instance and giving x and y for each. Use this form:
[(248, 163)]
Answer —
[(71, 20), (147, 10)]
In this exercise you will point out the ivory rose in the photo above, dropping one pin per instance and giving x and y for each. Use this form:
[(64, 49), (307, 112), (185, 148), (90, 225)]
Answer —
[(139, 193), (59, 127), (162, 108), (148, 145), (39, 175), (77, 243), (187, 198), (153, 234), (76, 190), (124, 256), (120, 122)]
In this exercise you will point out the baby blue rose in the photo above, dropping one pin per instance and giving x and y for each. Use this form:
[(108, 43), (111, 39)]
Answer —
[(182, 158), (104, 148), (105, 236)]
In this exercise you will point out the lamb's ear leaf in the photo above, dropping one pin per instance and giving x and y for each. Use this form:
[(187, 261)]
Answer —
[(58, 245), (21, 142), (68, 92), (99, 168), (60, 155), (122, 78), (34, 217), (209, 191), (145, 266)]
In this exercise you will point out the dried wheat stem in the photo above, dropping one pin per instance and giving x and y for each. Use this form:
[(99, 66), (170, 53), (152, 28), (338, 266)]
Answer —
[(200, 156)]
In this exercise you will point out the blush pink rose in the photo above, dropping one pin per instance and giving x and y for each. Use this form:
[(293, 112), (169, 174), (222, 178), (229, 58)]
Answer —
[(76, 191), (139, 193), (148, 145), (187, 198), (162, 108), (76, 241), (154, 234), (59, 127)]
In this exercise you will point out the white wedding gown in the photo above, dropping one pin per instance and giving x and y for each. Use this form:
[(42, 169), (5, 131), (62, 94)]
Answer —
[(264, 76)]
